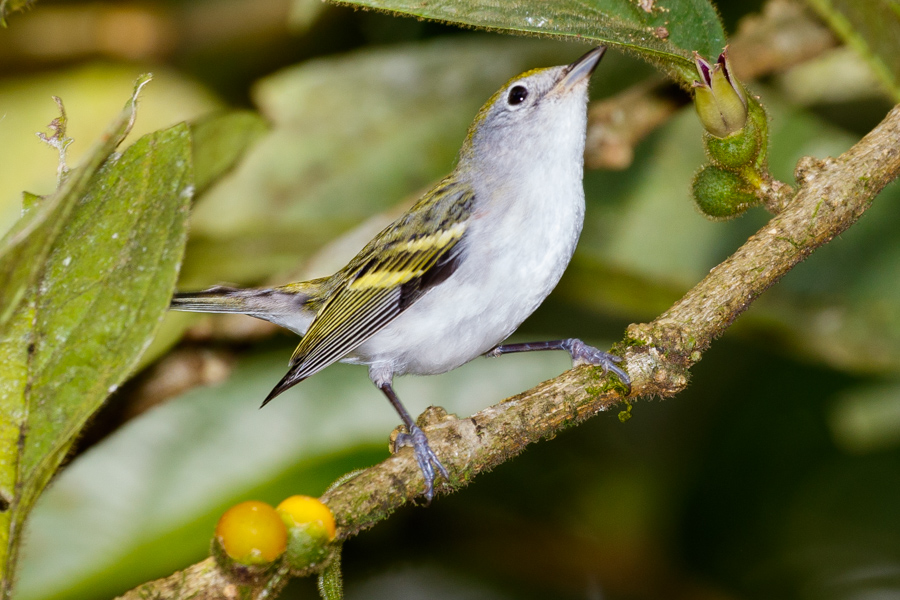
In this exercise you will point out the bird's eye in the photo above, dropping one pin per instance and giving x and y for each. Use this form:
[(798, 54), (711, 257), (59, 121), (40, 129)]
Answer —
[(517, 95)]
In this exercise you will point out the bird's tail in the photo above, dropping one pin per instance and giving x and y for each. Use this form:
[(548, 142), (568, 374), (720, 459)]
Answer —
[(292, 306)]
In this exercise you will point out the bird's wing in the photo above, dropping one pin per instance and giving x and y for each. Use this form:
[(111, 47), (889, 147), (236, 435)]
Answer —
[(386, 278)]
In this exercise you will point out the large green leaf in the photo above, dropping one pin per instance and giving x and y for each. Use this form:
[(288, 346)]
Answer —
[(84, 280), (218, 142), (873, 28), (663, 31)]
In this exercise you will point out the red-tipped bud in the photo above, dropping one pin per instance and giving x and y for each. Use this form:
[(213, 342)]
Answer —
[(719, 98)]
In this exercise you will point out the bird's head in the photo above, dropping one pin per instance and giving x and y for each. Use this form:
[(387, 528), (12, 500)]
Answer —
[(539, 115)]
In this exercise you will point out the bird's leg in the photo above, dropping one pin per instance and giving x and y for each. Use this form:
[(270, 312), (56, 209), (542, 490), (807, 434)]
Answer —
[(415, 437), (578, 350)]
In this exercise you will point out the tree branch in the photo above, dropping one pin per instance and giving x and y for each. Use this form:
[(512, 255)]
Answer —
[(832, 195)]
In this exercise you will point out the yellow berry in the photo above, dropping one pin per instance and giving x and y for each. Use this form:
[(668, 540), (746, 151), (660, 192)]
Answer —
[(252, 533), (301, 510)]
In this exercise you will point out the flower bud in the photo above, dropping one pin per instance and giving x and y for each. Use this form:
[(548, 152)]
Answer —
[(722, 194), (718, 97)]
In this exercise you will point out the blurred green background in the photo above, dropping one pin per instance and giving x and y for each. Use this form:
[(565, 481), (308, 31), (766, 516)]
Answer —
[(775, 475)]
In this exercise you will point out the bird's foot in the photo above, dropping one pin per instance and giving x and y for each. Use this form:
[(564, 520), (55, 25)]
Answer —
[(425, 457), (582, 353)]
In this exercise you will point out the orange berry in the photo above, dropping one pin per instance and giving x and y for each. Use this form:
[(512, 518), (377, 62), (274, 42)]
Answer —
[(252, 533), (302, 510)]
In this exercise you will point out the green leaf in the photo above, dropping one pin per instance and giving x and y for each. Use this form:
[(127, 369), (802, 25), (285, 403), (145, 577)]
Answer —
[(30, 201), (662, 31), (873, 28), (85, 278), (219, 141)]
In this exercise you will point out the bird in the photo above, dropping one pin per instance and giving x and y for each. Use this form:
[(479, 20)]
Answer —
[(453, 277)]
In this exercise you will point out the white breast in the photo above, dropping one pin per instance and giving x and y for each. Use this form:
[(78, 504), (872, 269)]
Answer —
[(515, 254), (529, 210)]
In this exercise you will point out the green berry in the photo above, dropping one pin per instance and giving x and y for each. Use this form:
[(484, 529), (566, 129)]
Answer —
[(736, 149), (760, 122), (721, 194)]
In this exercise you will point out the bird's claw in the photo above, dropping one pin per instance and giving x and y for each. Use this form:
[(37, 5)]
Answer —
[(585, 354), (425, 457)]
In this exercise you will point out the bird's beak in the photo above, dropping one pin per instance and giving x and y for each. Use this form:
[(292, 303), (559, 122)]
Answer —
[(581, 69)]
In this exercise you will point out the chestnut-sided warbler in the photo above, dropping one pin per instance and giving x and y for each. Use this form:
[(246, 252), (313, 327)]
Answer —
[(457, 273)]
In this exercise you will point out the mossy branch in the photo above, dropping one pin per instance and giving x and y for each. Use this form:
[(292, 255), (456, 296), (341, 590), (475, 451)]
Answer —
[(832, 194)]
